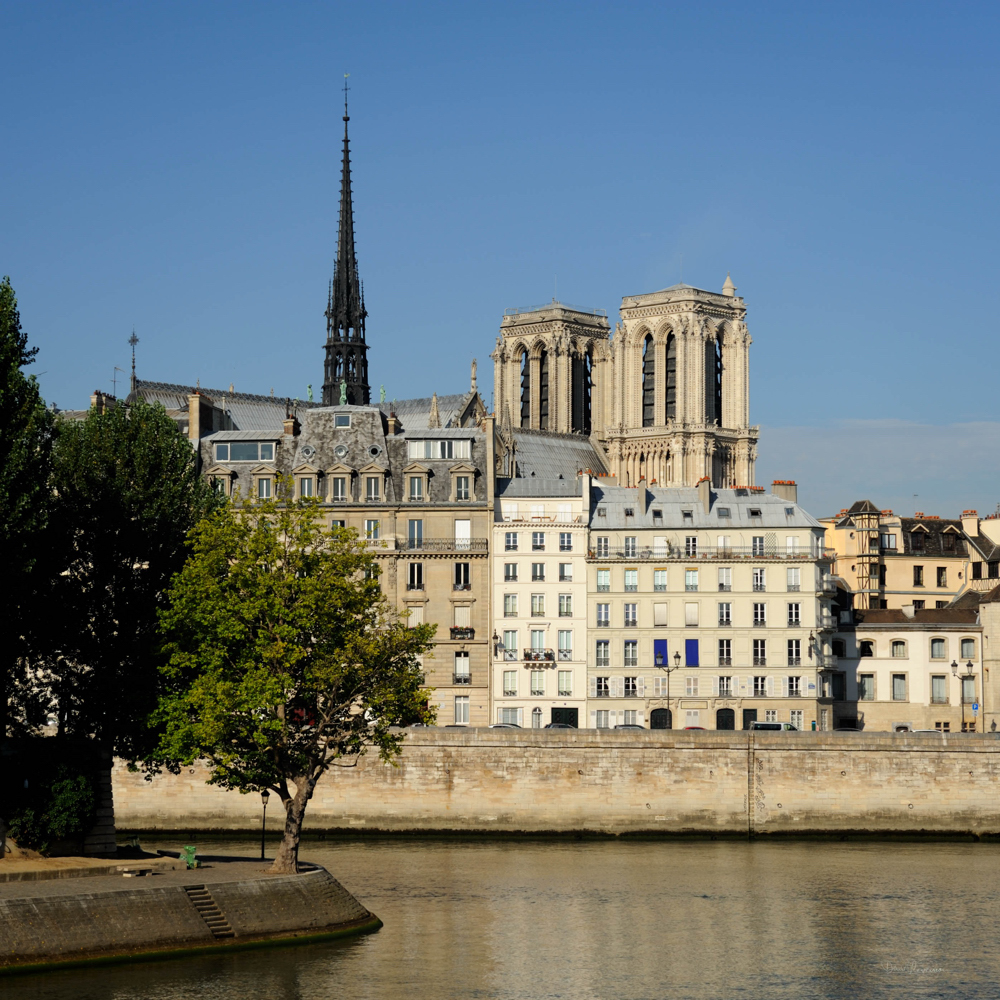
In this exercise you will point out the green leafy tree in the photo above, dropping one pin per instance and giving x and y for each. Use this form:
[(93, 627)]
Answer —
[(25, 455), (126, 494), (285, 658)]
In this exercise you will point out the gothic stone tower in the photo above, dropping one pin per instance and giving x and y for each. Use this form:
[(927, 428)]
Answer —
[(548, 369), (679, 406), (346, 350)]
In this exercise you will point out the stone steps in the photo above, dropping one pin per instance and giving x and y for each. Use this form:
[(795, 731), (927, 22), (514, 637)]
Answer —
[(209, 910)]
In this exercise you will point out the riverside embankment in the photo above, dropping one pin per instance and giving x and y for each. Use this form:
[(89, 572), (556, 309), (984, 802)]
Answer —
[(227, 903), (658, 782)]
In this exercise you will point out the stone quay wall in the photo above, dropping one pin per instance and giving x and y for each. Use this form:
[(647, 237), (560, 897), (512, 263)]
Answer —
[(659, 782)]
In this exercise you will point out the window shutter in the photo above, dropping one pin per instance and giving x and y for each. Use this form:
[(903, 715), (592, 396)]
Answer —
[(691, 614), (416, 614), (784, 687), (659, 545), (640, 718), (462, 615), (640, 686), (593, 720), (611, 719), (660, 614), (770, 687), (593, 689), (715, 686)]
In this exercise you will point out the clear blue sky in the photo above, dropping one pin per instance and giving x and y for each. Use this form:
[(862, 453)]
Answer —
[(175, 167)]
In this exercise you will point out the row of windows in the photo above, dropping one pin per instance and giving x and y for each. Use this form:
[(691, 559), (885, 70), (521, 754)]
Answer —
[(688, 515), (899, 648), (898, 689), (510, 605), (538, 683), (725, 686), (510, 572), (339, 487), (512, 541), (693, 545), (692, 614), (461, 575), (630, 579), (692, 652), (537, 647)]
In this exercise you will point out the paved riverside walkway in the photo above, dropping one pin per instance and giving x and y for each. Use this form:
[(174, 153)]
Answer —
[(227, 902), (102, 877)]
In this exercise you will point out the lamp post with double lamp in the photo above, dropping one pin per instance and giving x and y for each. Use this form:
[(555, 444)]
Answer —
[(264, 796), (668, 670), (968, 675)]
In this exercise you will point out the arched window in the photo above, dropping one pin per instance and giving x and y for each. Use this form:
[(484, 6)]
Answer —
[(536, 718), (898, 648), (713, 380), (525, 389), (937, 649), (968, 649), (582, 370), (543, 390), (648, 382), (671, 378)]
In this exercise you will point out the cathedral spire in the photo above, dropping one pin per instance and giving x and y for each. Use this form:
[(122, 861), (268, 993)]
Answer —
[(346, 350)]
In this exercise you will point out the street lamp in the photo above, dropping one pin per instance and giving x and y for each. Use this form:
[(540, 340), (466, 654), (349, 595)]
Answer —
[(668, 670), (264, 796)]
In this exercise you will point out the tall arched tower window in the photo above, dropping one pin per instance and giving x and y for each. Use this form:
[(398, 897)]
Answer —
[(582, 368), (543, 390), (713, 380), (648, 382), (671, 377), (525, 389)]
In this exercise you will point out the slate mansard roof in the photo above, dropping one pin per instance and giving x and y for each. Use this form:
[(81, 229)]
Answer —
[(364, 445), (673, 502)]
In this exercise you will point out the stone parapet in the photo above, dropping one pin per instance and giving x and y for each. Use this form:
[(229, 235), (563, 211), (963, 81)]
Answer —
[(668, 782)]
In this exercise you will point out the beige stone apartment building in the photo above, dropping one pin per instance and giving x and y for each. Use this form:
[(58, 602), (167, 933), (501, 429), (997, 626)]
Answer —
[(540, 601), (412, 478), (889, 561), (707, 608), (896, 670)]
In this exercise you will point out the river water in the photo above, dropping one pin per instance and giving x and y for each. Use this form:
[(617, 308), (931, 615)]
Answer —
[(512, 919)]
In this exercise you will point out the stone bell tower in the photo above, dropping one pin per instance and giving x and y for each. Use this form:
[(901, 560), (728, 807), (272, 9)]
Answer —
[(679, 401), (549, 369)]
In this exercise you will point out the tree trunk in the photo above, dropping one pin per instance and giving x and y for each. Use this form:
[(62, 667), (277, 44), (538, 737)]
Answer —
[(286, 861)]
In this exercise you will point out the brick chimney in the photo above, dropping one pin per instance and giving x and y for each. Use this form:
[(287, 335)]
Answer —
[(704, 488), (787, 489)]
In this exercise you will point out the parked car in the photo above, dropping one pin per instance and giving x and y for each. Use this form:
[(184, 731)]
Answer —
[(559, 725), (774, 727), (936, 732), (630, 725), (505, 725), (695, 727)]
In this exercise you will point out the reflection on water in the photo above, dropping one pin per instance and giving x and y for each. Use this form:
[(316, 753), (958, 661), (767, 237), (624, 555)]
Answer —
[(580, 919)]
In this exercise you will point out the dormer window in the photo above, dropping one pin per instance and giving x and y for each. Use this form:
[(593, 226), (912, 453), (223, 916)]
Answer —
[(244, 451), (602, 512), (630, 512), (688, 515), (373, 488), (754, 512), (461, 487), (416, 487), (342, 420), (657, 515), (439, 449), (722, 512)]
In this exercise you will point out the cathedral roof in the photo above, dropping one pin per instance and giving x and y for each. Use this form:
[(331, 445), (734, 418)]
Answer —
[(538, 453)]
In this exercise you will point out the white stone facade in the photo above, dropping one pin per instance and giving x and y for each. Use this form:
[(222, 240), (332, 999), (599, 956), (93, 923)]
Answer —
[(540, 603)]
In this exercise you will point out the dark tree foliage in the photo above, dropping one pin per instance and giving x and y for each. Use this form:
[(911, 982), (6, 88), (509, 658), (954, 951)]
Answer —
[(25, 456), (126, 492)]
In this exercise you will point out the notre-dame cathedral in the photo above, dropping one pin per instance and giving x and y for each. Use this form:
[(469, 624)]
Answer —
[(665, 399)]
